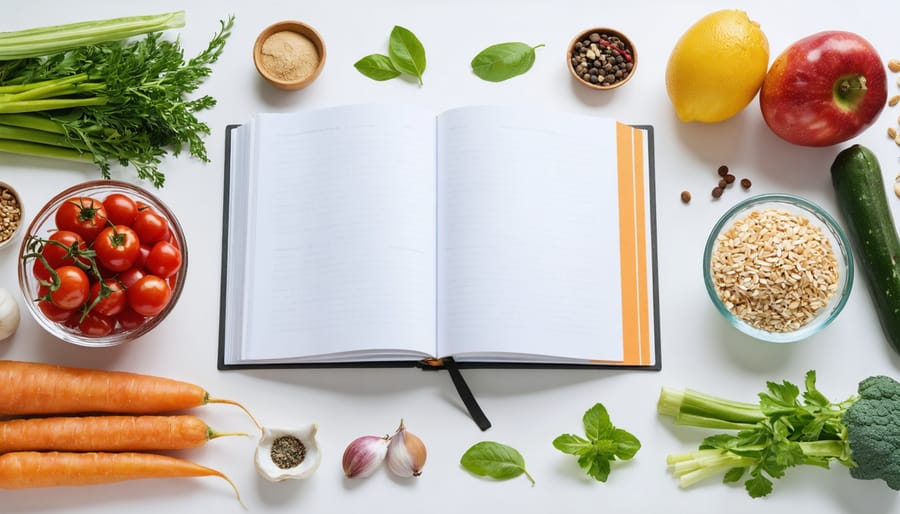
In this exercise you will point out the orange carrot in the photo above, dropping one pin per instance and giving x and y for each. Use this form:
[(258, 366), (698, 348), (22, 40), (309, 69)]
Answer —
[(36, 388), (106, 433), (26, 470)]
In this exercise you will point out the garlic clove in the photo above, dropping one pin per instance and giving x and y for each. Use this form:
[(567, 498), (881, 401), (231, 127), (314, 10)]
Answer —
[(364, 454), (9, 314), (406, 453), (284, 453)]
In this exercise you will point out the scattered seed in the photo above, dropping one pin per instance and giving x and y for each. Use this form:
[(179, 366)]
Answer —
[(722, 183), (723, 170), (894, 100), (897, 186), (745, 183), (892, 132), (729, 178), (894, 65), (717, 192), (686, 196)]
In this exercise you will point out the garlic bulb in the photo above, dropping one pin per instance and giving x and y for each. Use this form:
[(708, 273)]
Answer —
[(9, 314), (406, 453), (364, 454), (284, 453)]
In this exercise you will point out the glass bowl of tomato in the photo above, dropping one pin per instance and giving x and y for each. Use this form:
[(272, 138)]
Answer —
[(102, 263)]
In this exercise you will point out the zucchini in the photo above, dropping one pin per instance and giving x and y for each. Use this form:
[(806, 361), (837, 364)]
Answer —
[(856, 177)]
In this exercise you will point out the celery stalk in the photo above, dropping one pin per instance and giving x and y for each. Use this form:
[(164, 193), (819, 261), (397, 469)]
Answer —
[(40, 41)]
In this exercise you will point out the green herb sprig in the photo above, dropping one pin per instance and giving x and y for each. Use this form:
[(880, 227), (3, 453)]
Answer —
[(603, 444), (406, 54), (503, 61), (494, 460)]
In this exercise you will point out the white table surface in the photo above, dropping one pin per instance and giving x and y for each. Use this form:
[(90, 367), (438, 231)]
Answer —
[(528, 408)]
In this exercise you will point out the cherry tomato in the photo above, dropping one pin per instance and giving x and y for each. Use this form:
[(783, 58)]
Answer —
[(117, 247), (164, 259), (83, 215), (120, 208), (150, 226), (128, 319), (73, 288), (96, 325), (107, 297), (142, 256), (57, 250), (130, 276), (54, 313), (149, 295)]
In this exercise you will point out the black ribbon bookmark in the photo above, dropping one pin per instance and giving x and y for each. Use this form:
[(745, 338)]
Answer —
[(466, 394)]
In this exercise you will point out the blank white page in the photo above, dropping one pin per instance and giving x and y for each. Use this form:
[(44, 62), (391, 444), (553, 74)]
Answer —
[(528, 237), (343, 254)]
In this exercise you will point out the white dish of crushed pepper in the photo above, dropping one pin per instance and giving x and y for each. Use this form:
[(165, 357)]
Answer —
[(11, 214), (778, 267)]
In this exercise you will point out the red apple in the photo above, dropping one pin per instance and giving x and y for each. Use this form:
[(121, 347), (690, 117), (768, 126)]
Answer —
[(824, 89)]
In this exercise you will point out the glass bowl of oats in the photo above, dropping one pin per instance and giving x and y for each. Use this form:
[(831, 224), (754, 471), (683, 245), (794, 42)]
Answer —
[(11, 215), (778, 267)]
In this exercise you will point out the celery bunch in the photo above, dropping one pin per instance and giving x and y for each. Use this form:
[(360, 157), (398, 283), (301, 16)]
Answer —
[(86, 92)]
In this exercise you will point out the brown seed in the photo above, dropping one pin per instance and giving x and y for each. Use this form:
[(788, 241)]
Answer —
[(722, 183), (717, 192), (745, 183), (894, 100), (686, 196), (892, 132), (729, 178), (894, 65), (723, 170)]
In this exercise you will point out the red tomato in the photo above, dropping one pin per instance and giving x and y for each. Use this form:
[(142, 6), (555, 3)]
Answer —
[(149, 295), (72, 290), (107, 297), (58, 251), (117, 247), (130, 276), (164, 259), (150, 226), (54, 313), (83, 215), (142, 256), (96, 325), (120, 208), (128, 319)]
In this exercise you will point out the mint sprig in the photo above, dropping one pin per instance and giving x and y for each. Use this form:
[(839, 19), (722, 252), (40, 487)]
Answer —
[(602, 444)]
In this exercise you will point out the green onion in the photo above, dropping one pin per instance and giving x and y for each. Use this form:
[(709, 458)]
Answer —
[(58, 38)]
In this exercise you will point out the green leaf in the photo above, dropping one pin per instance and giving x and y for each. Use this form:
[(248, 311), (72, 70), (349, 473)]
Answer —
[(596, 465), (571, 444), (812, 395), (733, 475), (758, 486), (626, 443), (407, 52), (377, 67), (494, 460), (596, 423), (503, 61)]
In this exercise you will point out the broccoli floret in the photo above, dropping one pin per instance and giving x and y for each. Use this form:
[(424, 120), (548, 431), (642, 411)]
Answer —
[(873, 425)]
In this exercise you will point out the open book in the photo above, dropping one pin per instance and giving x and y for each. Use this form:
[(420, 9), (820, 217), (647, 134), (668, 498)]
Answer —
[(383, 234)]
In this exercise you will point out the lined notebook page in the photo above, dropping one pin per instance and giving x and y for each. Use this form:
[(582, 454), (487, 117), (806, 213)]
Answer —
[(342, 256), (528, 241)]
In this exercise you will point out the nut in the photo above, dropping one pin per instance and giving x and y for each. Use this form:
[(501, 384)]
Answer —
[(686, 196), (10, 213), (894, 100), (897, 186), (894, 65)]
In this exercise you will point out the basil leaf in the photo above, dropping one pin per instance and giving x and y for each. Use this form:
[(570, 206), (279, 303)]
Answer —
[(627, 445), (377, 67), (503, 61), (407, 52), (571, 444), (596, 465), (494, 460), (596, 423)]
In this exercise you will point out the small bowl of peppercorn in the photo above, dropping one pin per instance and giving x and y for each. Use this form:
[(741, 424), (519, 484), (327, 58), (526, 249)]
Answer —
[(601, 58), (11, 214)]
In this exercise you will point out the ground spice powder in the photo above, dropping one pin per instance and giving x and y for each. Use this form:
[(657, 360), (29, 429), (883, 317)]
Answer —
[(289, 56)]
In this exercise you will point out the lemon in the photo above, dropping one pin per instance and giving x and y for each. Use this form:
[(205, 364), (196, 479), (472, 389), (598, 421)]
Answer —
[(717, 67)]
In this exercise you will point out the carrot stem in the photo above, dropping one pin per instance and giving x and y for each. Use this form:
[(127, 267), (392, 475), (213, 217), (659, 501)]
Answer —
[(238, 405)]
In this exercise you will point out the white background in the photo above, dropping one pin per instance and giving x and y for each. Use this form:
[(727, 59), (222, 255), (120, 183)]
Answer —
[(528, 408)]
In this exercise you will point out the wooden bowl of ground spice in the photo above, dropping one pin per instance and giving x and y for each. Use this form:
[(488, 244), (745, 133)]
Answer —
[(601, 58), (289, 54)]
